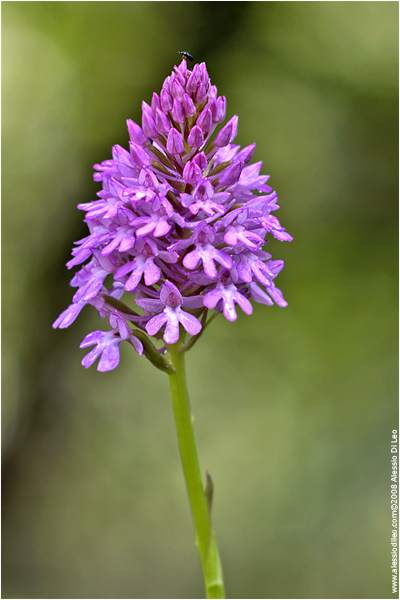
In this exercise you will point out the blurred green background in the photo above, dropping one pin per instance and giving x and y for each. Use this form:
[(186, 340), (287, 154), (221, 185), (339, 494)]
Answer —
[(294, 407)]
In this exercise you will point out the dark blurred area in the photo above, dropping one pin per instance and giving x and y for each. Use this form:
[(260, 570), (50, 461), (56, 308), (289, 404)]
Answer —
[(294, 407)]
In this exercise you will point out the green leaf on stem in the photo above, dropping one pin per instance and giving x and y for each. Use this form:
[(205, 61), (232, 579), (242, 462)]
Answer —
[(151, 352)]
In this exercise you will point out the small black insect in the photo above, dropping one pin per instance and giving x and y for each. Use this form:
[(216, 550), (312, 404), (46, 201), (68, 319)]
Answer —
[(186, 55)]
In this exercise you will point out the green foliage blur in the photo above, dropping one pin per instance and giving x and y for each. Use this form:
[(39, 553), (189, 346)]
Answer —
[(294, 407)]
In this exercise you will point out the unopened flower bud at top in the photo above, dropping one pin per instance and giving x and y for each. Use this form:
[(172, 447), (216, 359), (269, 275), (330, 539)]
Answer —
[(177, 112), (165, 101), (196, 137), (188, 105), (163, 124), (136, 133), (204, 120), (148, 125), (227, 133), (174, 142), (139, 156)]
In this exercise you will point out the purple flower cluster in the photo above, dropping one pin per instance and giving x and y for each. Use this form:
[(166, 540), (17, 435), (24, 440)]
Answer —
[(177, 225)]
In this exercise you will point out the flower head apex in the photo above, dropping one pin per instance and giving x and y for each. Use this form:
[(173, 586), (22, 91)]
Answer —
[(178, 227)]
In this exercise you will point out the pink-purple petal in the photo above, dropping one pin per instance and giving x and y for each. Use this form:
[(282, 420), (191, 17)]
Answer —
[(154, 325), (109, 358), (189, 322), (171, 333)]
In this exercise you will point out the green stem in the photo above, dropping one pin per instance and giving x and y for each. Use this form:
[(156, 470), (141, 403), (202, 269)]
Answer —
[(199, 501)]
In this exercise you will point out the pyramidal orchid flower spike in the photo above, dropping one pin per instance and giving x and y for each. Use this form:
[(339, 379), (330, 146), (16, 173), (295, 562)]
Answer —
[(178, 231)]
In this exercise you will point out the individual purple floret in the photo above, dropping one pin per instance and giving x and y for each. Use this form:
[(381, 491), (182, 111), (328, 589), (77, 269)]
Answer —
[(107, 344), (179, 226), (170, 303)]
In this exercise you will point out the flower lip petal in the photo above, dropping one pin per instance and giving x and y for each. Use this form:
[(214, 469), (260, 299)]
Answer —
[(211, 298), (154, 325), (243, 302), (90, 358), (171, 333), (109, 358), (68, 316), (189, 322), (92, 338)]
